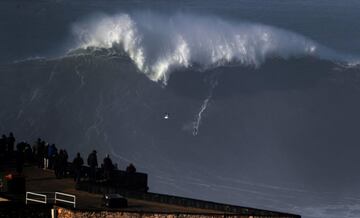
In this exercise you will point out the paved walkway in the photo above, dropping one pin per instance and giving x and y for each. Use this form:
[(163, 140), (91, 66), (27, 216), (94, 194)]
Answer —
[(44, 181)]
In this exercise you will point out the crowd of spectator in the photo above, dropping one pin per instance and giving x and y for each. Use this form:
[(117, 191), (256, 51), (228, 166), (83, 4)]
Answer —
[(49, 157)]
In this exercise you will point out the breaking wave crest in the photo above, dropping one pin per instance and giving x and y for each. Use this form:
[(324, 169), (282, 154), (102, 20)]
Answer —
[(158, 44)]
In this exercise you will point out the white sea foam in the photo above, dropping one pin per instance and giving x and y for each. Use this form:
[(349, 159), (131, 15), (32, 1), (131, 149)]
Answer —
[(159, 44)]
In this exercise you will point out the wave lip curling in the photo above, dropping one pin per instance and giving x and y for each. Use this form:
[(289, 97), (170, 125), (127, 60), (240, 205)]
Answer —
[(158, 44)]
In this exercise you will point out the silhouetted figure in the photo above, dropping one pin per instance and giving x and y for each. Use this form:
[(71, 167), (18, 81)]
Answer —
[(10, 143), (34, 153), (3, 145), (19, 161), (21, 146), (92, 162), (131, 168), (52, 151), (66, 156), (56, 164), (40, 147), (77, 165), (28, 153), (63, 159), (108, 167), (46, 156)]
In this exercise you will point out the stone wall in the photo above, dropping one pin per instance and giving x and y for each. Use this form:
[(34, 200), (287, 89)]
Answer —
[(67, 213)]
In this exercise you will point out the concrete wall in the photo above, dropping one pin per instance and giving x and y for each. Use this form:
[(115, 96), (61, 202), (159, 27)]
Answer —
[(180, 201), (12, 209), (67, 213)]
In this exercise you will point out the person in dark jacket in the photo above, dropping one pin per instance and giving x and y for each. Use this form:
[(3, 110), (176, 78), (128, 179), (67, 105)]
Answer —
[(46, 156), (19, 161), (3, 145), (64, 162), (56, 163), (40, 147), (28, 153), (131, 168), (10, 143), (93, 164), (77, 165), (52, 152), (108, 167)]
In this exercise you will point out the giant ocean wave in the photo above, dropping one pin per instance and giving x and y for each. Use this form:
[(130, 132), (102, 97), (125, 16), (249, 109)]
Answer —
[(158, 44)]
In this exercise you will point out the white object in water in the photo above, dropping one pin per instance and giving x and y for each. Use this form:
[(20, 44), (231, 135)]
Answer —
[(166, 116)]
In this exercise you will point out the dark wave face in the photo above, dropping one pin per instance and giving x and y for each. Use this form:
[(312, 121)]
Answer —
[(256, 115), (272, 132)]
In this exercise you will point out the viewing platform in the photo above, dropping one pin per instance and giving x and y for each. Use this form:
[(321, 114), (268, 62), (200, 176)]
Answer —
[(89, 201)]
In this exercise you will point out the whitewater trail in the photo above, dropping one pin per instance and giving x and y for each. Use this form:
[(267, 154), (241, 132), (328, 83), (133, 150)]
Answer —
[(197, 121)]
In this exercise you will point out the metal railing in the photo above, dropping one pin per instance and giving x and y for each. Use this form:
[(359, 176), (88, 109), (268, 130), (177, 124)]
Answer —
[(44, 199), (35, 199), (59, 194)]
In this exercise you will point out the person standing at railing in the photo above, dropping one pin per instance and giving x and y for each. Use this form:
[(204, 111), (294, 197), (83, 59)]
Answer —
[(3, 146), (92, 162), (10, 143), (46, 156), (131, 168), (39, 155), (108, 167), (77, 163), (19, 160), (52, 152), (63, 161)]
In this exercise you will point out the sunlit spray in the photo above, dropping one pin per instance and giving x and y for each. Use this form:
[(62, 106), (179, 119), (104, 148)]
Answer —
[(158, 44)]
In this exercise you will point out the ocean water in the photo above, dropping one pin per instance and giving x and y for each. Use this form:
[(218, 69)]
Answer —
[(253, 103)]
